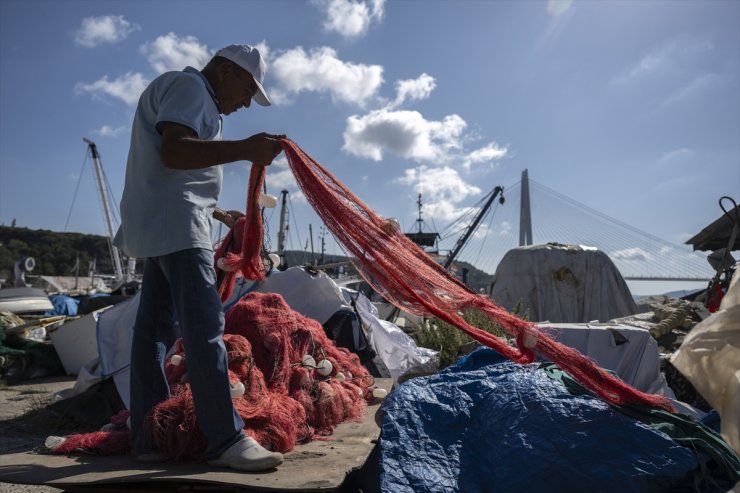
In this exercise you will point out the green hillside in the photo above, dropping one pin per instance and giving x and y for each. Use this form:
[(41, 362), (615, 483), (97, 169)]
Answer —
[(55, 253)]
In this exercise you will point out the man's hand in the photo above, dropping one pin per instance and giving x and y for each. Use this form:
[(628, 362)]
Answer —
[(227, 217), (264, 148)]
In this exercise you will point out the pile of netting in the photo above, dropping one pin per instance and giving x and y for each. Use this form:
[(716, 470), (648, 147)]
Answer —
[(290, 384), (404, 274)]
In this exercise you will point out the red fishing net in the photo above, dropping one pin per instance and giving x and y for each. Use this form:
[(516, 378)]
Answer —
[(283, 401), (288, 400), (404, 274), (239, 252), (281, 386)]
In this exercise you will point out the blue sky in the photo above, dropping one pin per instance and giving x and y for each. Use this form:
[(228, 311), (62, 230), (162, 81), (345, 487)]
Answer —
[(632, 108)]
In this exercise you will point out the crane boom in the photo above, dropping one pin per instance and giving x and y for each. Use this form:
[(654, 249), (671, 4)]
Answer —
[(473, 226)]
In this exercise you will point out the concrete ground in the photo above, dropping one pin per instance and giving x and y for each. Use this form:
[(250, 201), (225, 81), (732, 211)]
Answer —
[(25, 423)]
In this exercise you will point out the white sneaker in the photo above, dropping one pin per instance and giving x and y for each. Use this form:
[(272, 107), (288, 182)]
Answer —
[(248, 455)]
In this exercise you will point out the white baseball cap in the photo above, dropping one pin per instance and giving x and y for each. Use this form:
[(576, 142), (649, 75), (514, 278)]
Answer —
[(249, 58)]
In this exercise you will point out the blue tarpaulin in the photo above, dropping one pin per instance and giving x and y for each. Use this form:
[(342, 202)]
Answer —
[(63, 305), (489, 425)]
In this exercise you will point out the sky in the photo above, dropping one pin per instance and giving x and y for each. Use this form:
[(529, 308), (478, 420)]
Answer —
[(631, 108)]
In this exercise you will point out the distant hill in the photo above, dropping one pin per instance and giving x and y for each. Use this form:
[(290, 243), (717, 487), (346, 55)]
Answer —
[(55, 253)]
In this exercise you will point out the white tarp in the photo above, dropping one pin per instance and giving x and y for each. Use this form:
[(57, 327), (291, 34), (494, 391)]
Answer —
[(630, 352), (395, 348), (561, 283), (710, 358)]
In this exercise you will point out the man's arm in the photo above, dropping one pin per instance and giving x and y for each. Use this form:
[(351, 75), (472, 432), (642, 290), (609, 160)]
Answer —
[(181, 149), (227, 217)]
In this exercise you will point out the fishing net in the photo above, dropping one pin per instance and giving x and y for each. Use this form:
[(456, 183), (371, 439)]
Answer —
[(239, 251), (290, 385), (410, 279)]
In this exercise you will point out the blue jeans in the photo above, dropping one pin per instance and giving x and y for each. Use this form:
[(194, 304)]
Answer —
[(182, 286)]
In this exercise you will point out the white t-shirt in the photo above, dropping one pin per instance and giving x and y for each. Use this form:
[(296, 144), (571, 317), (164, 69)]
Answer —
[(165, 210)]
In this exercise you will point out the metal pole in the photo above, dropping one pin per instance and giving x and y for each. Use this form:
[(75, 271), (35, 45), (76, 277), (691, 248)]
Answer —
[(106, 210), (323, 245), (310, 234), (281, 231)]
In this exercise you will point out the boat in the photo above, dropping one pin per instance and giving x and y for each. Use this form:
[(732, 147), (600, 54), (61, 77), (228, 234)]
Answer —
[(24, 301)]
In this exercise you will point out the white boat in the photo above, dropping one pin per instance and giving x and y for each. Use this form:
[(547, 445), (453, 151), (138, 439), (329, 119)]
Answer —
[(24, 301)]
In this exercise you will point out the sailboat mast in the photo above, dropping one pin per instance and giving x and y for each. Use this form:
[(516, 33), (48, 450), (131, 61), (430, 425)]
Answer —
[(283, 226), (310, 235), (118, 269)]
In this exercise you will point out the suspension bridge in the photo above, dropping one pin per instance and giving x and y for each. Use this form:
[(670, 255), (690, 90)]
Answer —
[(536, 214)]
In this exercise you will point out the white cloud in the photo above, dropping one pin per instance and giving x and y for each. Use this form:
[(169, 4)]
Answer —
[(701, 83), (491, 152), (442, 188), (413, 89), (676, 155), (407, 133), (321, 71), (108, 131), (297, 197), (282, 180), (264, 49), (105, 29), (632, 254), (504, 228), (558, 7), (350, 18), (279, 176), (127, 87), (173, 52), (663, 57), (482, 230), (652, 61)]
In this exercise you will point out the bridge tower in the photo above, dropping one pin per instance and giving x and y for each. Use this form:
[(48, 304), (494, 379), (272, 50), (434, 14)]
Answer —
[(525, 213)]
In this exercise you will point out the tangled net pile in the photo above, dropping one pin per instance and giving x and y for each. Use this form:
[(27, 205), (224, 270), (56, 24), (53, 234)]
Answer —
[(281, 387), (277, 389)]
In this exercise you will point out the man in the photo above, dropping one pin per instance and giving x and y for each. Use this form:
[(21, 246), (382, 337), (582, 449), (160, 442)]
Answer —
[(173, 180)]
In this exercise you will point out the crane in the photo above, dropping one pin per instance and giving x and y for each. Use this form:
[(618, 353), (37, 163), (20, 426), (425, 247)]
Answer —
[(473, 226)]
